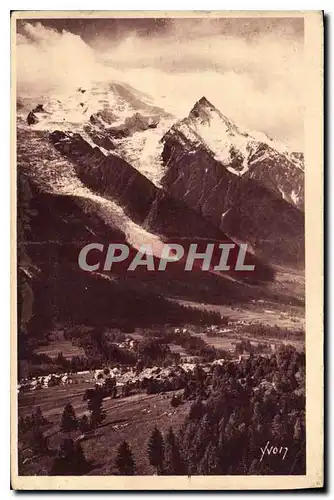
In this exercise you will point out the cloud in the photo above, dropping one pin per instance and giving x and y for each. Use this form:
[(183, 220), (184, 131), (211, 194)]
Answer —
[(255, 79), (47, 59)]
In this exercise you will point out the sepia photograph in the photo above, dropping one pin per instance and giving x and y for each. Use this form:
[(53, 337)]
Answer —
[(167, 315)]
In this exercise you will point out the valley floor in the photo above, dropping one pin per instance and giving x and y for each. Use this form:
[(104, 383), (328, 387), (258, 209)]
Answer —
[(268, 314)]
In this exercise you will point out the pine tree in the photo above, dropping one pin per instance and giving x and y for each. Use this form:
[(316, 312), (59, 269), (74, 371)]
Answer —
[(156, 450), (70, 460), (254, 468), (84, 424), (210, 461), (256, 418), (173, 463), (61, 360), (175, 401), (201, 440), (231, 428), (221, 433), (97, 415), (277, 430), (297, 430), (124, 461), (110, 387), (38, 417), (80, 459), (187, 434), (203, 466), (196, 410), (69, 421)]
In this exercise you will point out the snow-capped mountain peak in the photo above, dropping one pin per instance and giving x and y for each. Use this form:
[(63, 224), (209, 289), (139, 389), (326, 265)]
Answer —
[(205, 112), (240, 151), (116, 117), (111, 115), (206, 125)]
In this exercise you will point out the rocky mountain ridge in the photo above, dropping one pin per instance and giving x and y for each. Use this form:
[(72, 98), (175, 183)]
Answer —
[(250, 190)]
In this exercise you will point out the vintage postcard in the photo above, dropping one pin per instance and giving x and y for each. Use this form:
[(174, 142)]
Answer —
[(167, 243)]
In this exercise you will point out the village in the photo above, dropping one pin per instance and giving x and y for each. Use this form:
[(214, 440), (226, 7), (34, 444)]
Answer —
[(123, 376), (124, 379)]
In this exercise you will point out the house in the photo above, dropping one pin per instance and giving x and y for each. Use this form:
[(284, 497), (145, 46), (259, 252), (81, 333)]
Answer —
[(220, 361), (190, 359), (243, 356)]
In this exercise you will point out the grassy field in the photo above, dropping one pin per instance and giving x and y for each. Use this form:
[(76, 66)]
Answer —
[(288, 282), (54, 347), (132, 418), (228, 342), (218, 342), (267, 313), (178, 349)]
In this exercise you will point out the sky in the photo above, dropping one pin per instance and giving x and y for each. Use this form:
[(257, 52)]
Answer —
[(250, 69)]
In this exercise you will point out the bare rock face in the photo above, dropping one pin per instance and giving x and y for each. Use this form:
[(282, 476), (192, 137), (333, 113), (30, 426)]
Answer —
[(19, 104), (142, 200), (152, 208), (216, 178), (32, 118), (39, 109), (131, 125), (241, 183)]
